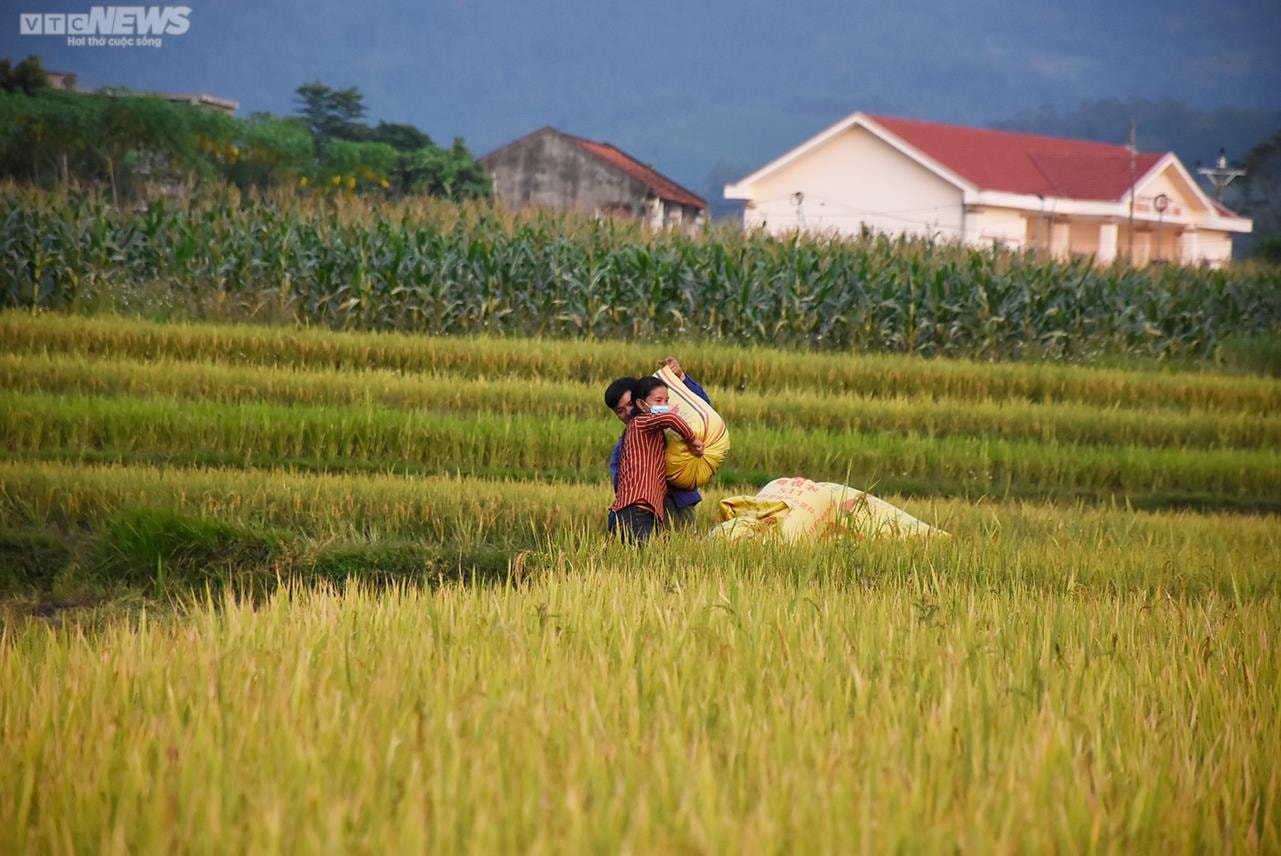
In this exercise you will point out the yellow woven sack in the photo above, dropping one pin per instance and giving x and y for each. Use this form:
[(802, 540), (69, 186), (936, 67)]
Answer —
[(797, 510), (794, 509), (748, 517), (685, 470)]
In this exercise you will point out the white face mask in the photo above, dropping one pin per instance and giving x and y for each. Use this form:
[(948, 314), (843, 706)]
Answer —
[(658, 409)]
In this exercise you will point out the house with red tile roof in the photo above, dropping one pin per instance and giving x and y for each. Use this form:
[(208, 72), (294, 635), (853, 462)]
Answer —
[(552, 169), (982, 187)]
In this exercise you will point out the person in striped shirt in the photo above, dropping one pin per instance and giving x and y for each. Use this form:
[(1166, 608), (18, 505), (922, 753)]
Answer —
[(679, 513), (641, 493), (681, 502)]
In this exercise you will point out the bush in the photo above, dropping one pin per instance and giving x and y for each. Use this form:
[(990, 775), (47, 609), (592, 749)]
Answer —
[(1268, 249)]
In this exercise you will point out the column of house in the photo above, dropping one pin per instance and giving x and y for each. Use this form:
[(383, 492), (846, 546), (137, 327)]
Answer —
[(1060, 238), (1107, 243), (1190, 246)]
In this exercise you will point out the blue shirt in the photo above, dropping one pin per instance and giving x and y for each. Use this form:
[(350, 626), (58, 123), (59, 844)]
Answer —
[(681, 498)]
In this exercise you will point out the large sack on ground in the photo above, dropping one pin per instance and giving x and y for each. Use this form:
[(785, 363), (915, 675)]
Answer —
[(866, 516), (797, 510), (794, 509), (686, 470)]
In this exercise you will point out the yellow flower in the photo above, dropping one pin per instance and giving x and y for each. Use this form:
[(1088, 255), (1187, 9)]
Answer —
[(351, 182), (337, 180), (384, 182), (302, 182)]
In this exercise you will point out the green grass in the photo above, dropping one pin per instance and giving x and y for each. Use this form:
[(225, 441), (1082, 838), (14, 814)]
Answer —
[(153, 546), (166, 552), (30, 561), (1258, 354)]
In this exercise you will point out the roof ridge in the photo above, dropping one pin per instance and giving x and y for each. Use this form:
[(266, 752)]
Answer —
[(1015, 162), (648, 168), (1027, 135)]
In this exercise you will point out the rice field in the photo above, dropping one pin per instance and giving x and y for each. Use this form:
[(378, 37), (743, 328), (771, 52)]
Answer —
[(286, 589)]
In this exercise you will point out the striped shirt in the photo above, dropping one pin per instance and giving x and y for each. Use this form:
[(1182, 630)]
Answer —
[(642, 468), (681, 498)]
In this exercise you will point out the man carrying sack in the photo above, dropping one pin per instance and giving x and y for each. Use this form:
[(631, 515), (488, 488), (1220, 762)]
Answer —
[(685, 472)]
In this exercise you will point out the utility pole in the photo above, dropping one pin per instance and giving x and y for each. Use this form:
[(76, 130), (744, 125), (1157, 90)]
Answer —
[(1130, 226), (1043, 238), (1160, 204), (1220, 174)]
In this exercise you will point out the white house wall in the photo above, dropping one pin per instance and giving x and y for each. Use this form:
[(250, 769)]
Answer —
[(1214, 248), (853, 180), (1084, 238), (1001, 226), (1184, 205), (1184, 236)]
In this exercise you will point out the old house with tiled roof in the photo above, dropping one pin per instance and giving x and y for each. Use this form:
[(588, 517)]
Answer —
[(983, 187), (552, 169)]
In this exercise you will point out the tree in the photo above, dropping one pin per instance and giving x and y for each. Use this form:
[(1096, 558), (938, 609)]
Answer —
[(350, 164), (1258, 196), (393, 155), (114, 137), (451, 173), (145, 139), (402, 138), (26, 77), (331, 113), (272, 149), (1261, 186)]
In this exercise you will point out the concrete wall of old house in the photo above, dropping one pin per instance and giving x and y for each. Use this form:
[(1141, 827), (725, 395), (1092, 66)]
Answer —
[(548, 169), (685, 218)]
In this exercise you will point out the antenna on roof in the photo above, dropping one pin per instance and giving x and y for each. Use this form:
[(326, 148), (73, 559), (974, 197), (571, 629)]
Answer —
[(1220, 174), (1130, 225)]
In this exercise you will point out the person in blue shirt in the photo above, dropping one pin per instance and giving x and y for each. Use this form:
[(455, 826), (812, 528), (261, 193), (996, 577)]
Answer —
[(679, 510)]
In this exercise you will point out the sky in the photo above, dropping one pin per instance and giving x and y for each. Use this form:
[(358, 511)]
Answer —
[(705, 91)]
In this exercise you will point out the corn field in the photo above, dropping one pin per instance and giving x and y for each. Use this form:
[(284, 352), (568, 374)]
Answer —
[(431, 268)]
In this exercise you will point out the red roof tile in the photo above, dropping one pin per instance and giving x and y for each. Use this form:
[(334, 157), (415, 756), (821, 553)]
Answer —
[(1025, 163), (660, 185)]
